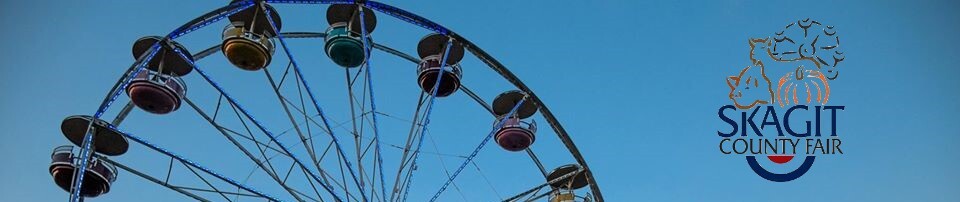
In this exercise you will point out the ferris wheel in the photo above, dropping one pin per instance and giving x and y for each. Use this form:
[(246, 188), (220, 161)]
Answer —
[(337, 147)]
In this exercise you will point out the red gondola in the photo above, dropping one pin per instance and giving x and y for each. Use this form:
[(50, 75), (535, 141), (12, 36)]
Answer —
[(516, 135), (156, 93), (97, 179), (431, 50)]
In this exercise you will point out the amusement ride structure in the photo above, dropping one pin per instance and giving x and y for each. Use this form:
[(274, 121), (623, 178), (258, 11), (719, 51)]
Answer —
[(252, 42)]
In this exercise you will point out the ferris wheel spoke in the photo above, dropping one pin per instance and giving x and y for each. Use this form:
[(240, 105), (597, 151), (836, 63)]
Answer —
[(169, 170), (418, 134), (364, 35), (407, 146), (429, 110), (534, 194), (312, 185), (485, 179), (477, 150), (250, 117), (243, 149), (535, 197), (284, 77), (153, 179), (445, 170), (343, 177), (324, 155), (340, 125), (287, 177), (218, 192), (316, 191), (313, 147), (358, 130), (371, 179), (195, 165), (206, 182), (254, 138), (303, 82), (541, 186), (355, 133), (325, 174), (293, 121), (216, 110), (250, 138), (374, 189)]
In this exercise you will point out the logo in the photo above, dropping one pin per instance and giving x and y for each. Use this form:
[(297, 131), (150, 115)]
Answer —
[(794, 117)]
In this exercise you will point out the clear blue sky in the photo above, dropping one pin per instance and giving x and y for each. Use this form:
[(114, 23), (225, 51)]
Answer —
[(636, 84)]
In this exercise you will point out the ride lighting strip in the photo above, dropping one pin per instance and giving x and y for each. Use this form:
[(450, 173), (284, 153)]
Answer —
[(373, 103)]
